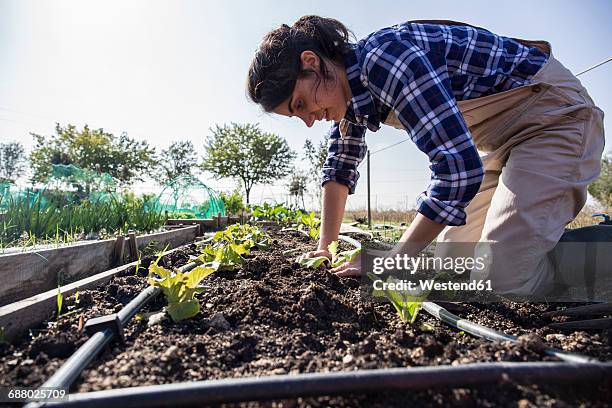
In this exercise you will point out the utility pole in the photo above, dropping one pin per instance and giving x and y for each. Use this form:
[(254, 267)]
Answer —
[(369, 207)]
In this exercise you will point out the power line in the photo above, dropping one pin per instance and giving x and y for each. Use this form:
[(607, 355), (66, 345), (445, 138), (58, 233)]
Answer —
[(388, 147), (25, 113), (595, 66)]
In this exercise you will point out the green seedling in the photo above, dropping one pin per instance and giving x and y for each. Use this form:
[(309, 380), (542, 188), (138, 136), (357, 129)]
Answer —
[(243, 234), (311, 223), (406, 304), (228, 256), (337, 258), (427, 327), (342, 257), (315, 263), (228, 246), (277, 212), (180, 288), (60, 301)]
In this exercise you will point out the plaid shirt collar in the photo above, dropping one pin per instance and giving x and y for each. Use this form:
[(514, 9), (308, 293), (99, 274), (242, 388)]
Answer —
[(361, 108)]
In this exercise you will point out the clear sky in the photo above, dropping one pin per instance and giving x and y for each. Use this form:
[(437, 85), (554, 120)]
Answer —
[(165, 70)]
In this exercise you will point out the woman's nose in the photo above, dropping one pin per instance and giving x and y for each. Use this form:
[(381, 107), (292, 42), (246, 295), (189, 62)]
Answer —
[(309, 120)]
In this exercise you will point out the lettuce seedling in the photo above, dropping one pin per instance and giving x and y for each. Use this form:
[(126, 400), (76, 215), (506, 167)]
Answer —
[(229, 245), (312, 223), (180, 288), (314, 263), (337, 258), (227, 255), (407, 304), (243, 234), (278, 212), (342, 257)]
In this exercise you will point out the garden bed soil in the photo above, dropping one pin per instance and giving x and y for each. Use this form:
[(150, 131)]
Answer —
[(275, 317)]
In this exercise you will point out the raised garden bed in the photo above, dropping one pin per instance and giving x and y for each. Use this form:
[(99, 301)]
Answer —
[(274, 317), (29, 273)]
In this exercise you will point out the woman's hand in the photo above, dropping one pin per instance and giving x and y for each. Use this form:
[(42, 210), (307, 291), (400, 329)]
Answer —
[(349, 268), (314, 254), (346, 269)]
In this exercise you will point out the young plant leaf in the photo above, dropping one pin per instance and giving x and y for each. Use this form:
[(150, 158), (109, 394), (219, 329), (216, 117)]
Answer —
[(406, 304), (60, 301), (314, 263), (333, 248), (346, 256), (337, 258), (183, 310), (180, 288)]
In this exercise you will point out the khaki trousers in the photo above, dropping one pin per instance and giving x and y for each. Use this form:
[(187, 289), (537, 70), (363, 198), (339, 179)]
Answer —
[(541, 146)]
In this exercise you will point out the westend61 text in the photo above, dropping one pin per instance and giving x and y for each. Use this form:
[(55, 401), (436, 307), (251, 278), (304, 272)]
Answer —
[(430, 284), (412, 264)]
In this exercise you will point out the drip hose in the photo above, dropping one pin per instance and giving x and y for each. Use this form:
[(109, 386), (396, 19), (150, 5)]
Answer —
[(276, 387), (478, 330)]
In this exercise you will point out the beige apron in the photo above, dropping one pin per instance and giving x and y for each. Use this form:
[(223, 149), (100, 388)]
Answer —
[(541, 146)]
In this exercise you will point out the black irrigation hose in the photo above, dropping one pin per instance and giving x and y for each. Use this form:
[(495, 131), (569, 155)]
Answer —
[(198, 393), (478, 330)]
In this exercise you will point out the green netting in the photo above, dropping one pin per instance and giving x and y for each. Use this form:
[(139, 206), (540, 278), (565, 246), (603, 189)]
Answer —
[(188, 197), (70, 207), (4, 188), (9, 193), (95, 184)]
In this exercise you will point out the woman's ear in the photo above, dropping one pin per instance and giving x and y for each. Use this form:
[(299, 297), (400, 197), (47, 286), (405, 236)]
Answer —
[(310, 61)]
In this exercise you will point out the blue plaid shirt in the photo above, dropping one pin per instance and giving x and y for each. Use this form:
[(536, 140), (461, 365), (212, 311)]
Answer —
[(419, 71)]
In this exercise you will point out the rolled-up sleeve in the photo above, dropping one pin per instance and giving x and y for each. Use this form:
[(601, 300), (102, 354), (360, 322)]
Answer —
[(418, 90), (344, 155)]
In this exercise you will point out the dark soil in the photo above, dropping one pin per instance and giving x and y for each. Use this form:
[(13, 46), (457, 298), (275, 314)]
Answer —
[(275, 317)]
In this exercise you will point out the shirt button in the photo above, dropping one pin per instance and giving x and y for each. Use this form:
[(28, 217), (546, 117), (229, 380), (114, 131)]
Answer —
[(536, 88)]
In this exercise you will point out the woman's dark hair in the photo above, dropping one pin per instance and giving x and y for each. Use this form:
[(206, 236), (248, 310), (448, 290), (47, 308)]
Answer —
[(277, 64)]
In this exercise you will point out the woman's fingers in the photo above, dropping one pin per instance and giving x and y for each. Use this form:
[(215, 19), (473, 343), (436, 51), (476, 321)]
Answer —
[(340, 268), (348, 269), (349, 272), (313, 254)]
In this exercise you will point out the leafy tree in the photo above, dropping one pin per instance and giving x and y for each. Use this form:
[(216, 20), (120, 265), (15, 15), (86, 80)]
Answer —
[(233, 201), (246, 153), (179, 159), (12, 161), (125, 159), (601, 188), (297, 186), (316, 156)]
